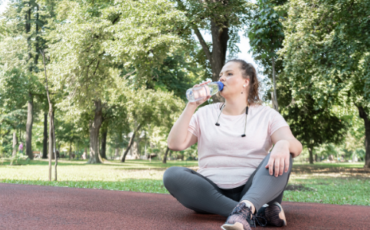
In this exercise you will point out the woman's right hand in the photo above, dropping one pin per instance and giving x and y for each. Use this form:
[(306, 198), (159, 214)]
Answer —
[(201, 101)]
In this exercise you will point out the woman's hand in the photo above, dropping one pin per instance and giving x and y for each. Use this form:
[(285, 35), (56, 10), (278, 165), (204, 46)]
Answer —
[(197, 103), (280, 157)]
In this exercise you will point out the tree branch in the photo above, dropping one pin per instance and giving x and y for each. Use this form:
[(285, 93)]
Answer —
[(97, 65), (203, 43), (197, 32), (129, 74)]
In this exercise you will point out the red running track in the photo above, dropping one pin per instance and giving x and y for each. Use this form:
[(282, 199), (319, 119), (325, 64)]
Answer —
[(44, 207)]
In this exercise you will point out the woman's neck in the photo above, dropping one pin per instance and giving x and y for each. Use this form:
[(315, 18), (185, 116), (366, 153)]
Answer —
[(234, 108)]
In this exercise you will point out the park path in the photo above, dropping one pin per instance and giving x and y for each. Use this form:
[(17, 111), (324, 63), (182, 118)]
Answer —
[(44, 207)]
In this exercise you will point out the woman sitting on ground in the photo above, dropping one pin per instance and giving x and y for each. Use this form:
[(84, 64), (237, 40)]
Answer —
[(238, 177)]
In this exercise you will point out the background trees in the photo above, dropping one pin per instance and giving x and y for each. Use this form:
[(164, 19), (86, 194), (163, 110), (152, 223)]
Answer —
[(119, 70), (326, 51), (223, 20), (266, 36)]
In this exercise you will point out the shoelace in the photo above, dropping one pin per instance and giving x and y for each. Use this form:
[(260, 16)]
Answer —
[(254, 218), (237, 210), (257, 219)]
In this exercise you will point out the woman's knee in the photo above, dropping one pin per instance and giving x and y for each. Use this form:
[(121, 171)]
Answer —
[(172, 175)]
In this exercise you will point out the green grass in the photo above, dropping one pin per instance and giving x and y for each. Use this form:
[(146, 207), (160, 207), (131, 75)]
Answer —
[(332, 165), (353, 191), (319, 183), (133, 175)]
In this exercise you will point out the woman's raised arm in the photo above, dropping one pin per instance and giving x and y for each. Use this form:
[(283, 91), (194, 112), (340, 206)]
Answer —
[(179, 137)]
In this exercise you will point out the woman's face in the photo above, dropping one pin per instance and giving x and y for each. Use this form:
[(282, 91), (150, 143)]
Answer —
[(231, 77)]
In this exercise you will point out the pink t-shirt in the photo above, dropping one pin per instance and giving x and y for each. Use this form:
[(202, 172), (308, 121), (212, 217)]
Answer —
[(224, 156)]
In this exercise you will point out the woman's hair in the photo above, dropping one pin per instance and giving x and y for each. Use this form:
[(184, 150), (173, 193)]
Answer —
[(249, 72)]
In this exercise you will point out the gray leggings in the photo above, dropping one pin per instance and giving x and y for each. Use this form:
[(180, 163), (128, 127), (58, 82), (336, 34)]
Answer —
[(200, 194)]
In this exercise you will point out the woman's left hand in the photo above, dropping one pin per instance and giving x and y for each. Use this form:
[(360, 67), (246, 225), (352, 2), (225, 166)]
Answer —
[(279, 158)]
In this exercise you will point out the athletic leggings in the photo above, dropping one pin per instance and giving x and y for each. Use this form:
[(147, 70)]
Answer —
[(200, 194)]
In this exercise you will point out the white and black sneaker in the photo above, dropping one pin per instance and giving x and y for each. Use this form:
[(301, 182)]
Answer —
[(273, 214)]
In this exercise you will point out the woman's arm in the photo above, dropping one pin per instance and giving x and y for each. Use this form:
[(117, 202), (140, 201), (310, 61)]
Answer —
[(180, 138), (285, 137), (284, 144)]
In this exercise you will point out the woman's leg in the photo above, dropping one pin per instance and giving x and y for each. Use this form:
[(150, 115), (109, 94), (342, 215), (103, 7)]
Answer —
[(263, 188), (197, 192)]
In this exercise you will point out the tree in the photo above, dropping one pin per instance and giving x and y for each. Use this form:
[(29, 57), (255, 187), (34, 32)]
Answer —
[(51, 123), (266, 36), (147, 106), (327, 46), (314, 127), (222, 19), (176, 74), (19, 53), (96, 39)]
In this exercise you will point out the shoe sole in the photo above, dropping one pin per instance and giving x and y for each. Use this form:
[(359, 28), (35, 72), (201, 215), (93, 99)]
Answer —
[(236, 226), (281, 214)]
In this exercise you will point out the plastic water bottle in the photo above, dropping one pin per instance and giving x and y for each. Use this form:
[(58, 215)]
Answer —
[(201, 92)]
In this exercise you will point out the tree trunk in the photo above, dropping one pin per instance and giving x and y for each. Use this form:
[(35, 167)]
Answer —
[(45, 140), (94, 133), (165, 156), (103, 153), (135, 149), (220, 38), (70, 150), (28, 30), (364, 116), (15, 141), (29, 127), (37, 43), (275, 102), (310, 150), (130, 143), (55, 150), (51, 138), (51, 117), (1, 141)]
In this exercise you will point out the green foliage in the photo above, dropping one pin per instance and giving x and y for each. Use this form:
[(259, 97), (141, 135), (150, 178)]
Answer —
[(266, 36), (177, 73), (265, 32), (19, 159), (326, 53), (311, 126), (327, 45)]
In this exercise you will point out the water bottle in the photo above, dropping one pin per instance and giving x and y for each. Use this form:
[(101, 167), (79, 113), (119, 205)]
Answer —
[(201, 92)]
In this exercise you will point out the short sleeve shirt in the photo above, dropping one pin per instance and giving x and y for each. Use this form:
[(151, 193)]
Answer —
[(224, 156)]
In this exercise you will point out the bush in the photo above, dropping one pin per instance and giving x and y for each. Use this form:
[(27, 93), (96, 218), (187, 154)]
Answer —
[(19, 159)]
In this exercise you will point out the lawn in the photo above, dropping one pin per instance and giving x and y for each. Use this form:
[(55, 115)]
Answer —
[(344, 183)]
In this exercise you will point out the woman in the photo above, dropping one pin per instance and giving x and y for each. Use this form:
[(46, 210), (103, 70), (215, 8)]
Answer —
[(237, 178)]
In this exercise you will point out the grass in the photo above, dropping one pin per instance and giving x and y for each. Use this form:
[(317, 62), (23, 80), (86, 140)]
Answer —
[(352, 191), (133, 175), (344, 183)]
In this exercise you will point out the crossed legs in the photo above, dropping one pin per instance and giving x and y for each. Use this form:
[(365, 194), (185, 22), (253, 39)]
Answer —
[(200, 194)]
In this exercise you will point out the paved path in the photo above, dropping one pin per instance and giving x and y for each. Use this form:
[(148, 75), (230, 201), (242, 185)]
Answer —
[(43, 207)]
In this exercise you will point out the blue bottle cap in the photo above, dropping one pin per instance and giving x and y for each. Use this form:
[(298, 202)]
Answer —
[(220, 85)]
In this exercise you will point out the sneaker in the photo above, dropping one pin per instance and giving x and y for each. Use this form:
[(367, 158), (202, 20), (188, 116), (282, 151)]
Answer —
[(274, 214), (240, 218)]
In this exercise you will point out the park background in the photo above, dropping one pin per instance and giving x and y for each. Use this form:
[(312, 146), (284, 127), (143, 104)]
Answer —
[(104, 81)]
